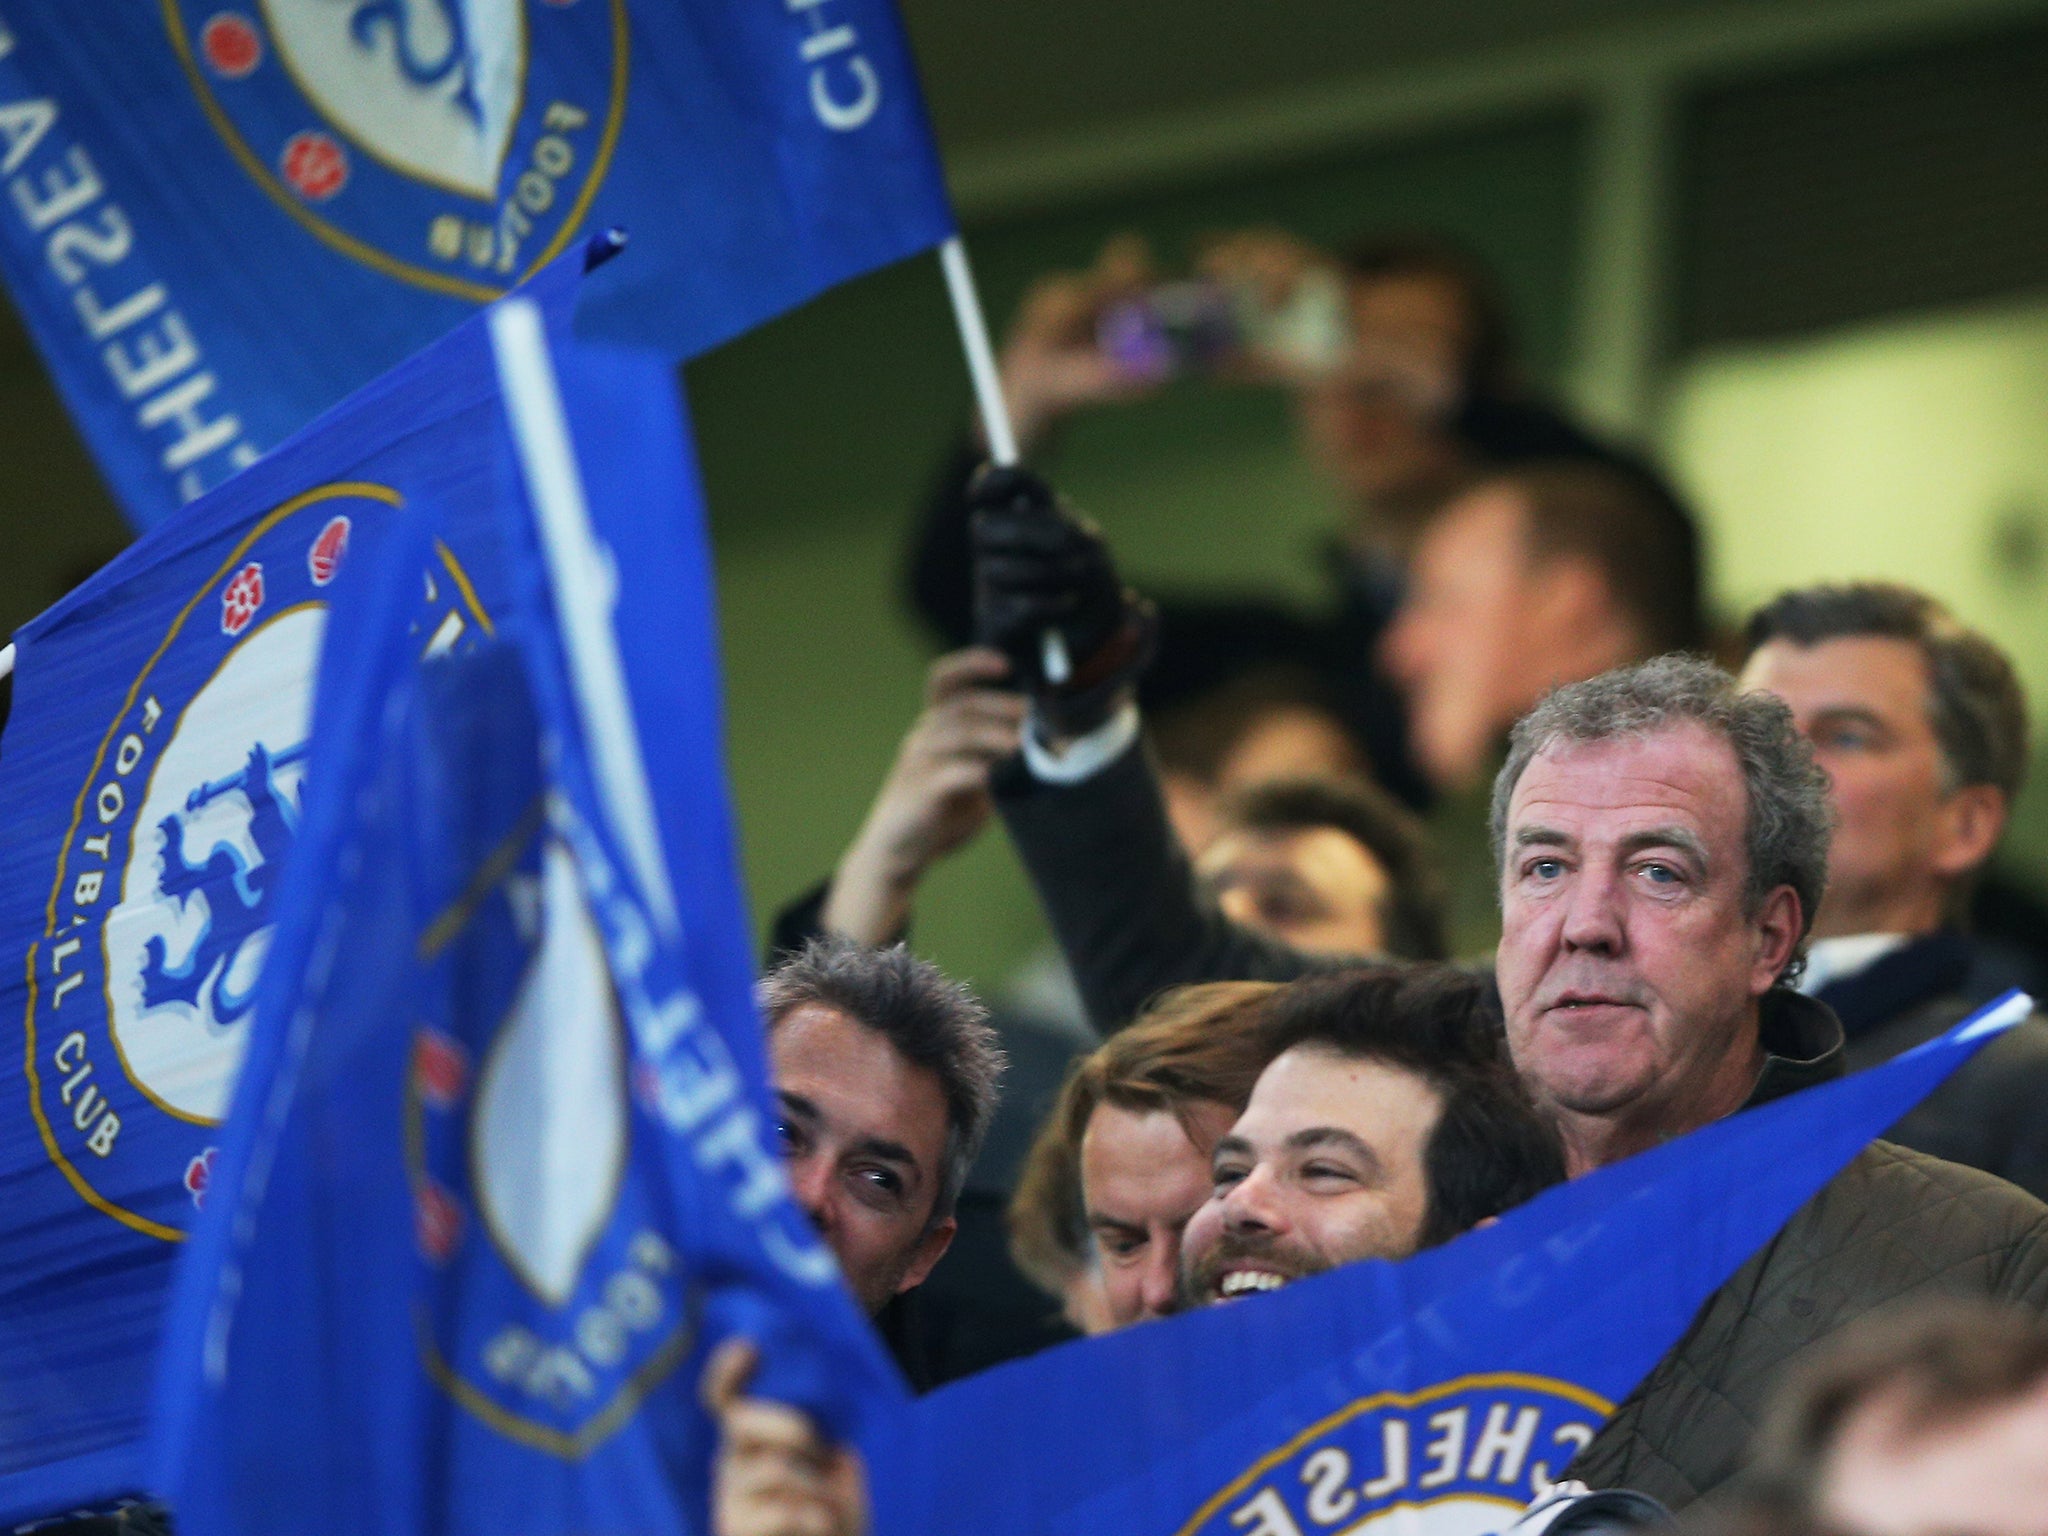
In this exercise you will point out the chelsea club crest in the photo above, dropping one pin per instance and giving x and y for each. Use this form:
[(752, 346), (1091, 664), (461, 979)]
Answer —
[(452, 144), (1458, 1459), (142, 987), (551, 1305)]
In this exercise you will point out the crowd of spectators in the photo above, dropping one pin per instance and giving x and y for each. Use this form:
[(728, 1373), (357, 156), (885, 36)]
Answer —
[(1728, 865)]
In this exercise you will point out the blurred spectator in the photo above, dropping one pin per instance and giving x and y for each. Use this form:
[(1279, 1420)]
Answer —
[(1267, 722), (1386, 1122), (1411, 399), (1545, 575), (886, 1074), (1925, 1422), (1921, 727), (1330, 866), (1124, 1159)]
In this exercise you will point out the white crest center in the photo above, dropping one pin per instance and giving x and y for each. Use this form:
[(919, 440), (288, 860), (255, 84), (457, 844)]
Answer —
[(550, 1127), (429, 87)]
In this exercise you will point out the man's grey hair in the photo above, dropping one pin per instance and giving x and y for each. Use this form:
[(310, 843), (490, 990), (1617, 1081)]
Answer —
[(933, 1022), (1789, 816)]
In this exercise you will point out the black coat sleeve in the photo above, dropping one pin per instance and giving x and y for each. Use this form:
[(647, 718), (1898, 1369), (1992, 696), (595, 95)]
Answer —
[(1121, 895)]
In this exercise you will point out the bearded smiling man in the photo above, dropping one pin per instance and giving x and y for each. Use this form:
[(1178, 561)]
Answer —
[(1386, 1122)]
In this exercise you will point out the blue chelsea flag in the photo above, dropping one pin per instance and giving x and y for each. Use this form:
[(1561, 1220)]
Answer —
[(501, 1165), (222, 217), (1439, 1395), (157, 757)]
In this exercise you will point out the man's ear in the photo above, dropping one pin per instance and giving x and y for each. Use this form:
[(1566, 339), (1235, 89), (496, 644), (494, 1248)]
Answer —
[(1969, 825), (930, 1249), (1778, 924)]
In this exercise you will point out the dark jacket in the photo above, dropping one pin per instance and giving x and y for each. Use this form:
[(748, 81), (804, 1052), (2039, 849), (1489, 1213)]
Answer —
[(1895, 1226), (1993, 1114)]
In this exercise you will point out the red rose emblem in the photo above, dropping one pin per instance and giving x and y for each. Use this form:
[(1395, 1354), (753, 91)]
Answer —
[(244, 595), (324, 558), (232, 45), (437, 1222), (198, 1174), (440, 1067), (315, 165)]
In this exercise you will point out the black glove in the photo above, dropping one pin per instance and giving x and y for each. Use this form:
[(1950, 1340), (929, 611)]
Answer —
[(1041, 569)]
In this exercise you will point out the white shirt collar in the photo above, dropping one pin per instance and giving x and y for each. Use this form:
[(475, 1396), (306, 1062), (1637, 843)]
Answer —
[(1832, 960)]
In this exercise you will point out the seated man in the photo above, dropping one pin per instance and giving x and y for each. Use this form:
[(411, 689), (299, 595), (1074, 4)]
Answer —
[(1921, 727), (1124, 1159), (886, 1076), (1386, 1122)]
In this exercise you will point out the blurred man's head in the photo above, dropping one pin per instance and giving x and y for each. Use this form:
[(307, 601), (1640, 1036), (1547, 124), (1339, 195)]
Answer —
[(1427, 329), (886, 1076), (1388, 1121), (1134, 1125), (1919, 1423), (1662, 844), (1234, 725), (1921, 726), (1540, 576), (1330, 866)]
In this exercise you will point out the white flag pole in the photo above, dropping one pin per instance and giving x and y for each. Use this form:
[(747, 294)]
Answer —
[(995, 414)]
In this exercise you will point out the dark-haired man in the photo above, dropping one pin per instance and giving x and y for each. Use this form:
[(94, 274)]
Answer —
[(886, 1075), (1386, 1123), (1921, 726), (1330, 866)]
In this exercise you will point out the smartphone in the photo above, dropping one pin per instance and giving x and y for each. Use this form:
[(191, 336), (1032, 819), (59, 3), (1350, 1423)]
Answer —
[(1200, 325)]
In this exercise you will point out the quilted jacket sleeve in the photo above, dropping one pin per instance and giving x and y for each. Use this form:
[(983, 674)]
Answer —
[(1892, 1228)]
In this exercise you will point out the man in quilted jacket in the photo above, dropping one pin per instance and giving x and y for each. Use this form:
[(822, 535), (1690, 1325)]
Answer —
[(1662, 845)]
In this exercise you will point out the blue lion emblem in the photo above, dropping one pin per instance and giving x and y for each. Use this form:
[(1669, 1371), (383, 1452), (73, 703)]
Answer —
[(238, 894), (395, 17)]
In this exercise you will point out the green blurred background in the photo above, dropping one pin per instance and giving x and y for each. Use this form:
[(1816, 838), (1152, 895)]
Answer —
[(1800, 247)]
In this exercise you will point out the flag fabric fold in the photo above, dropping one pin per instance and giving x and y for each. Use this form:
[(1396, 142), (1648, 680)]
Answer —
[(501, 1166), (220, 220), (156, 753)]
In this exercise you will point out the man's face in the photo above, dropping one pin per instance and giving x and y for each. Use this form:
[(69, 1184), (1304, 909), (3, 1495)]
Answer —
[(1461, 648), (1143, 1174), (1317, 888), (864, 1137), (1901, 838), (1376, 425), (1981, 1472), (1629, 969), (1323, 1167)]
